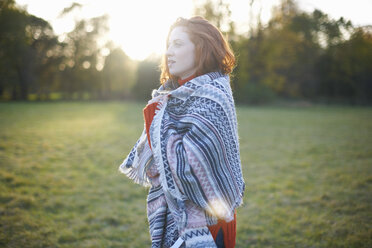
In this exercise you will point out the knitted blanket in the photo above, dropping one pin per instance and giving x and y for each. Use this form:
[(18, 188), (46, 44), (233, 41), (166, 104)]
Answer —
[(193, 165)]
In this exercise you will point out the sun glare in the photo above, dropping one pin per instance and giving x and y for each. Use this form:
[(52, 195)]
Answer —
[(140, 28)]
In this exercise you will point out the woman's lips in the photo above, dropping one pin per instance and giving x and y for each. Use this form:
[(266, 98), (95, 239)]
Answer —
[(170, 62)]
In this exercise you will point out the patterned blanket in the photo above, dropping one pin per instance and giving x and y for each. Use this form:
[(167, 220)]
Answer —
[(193, 165)]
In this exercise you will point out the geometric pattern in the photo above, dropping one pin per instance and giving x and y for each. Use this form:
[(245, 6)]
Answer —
[(195, 147)]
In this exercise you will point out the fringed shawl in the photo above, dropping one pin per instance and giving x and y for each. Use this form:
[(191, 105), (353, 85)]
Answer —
[(195, 149)]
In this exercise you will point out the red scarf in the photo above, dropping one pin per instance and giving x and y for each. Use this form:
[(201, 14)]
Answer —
[(183, 81)]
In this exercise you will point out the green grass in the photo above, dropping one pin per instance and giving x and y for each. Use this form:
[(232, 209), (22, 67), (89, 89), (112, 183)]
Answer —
[(308, 174)]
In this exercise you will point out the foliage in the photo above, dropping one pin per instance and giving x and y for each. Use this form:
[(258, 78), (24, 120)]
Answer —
[(286, 56), (217, 12), (25, 45), (118, 75), (307, 172), (81, 56), (345, 69), (296, 55), (148, 74), (33, 60)]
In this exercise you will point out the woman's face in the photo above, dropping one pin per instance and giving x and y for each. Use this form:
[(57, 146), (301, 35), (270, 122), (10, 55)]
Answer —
[(180, 54)]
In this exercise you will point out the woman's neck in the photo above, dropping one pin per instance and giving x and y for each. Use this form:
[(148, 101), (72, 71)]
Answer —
[(183, 81)]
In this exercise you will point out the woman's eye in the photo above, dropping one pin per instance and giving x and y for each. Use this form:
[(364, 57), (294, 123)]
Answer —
[(175, 44)]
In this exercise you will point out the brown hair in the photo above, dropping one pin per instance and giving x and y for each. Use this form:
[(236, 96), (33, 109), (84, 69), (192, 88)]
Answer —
[(212, 51)]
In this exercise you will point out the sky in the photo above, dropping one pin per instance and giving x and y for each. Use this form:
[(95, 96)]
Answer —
[(140, 27)]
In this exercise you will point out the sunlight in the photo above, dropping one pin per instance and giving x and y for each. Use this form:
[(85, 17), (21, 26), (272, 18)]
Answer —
[(218, 208), (140, 28)]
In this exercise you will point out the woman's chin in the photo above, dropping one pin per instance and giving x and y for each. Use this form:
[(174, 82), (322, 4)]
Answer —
[(173, 73)]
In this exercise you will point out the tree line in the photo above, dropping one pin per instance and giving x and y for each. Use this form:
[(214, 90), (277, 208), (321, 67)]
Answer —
[(296, 55), (305, 56)]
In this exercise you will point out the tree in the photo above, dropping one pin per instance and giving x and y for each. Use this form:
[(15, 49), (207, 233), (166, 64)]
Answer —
[(26, 43), (345, 69), (148, 75), (283, 56), (12, 45), (218, 13), (118, 75), (81, 55)]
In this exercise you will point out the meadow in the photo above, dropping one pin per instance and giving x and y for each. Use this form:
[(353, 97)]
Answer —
[(308, 174)]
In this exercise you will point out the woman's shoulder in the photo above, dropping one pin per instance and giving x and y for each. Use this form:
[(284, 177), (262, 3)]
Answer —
[(212, 77), (208, 85), (216, 81)]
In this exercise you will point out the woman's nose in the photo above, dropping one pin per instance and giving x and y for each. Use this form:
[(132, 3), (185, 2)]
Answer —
[(169, 51)]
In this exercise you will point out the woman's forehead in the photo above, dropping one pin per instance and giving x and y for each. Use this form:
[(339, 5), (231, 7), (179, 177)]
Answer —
[(179, 33)]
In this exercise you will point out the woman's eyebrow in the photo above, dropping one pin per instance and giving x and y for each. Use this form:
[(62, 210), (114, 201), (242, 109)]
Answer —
[(176, 40)]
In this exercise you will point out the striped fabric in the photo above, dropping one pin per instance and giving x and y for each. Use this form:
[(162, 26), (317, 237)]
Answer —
[(193, 166)]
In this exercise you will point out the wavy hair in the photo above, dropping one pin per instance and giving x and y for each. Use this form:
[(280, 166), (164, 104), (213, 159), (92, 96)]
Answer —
[(212, 51)]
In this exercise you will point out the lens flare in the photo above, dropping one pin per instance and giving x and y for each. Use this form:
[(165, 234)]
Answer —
[(219, 209)]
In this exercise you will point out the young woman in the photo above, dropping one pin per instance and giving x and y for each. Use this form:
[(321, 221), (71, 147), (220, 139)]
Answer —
[(188, 152)]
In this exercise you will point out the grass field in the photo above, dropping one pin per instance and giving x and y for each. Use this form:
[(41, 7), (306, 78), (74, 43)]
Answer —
[(308, 174)]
